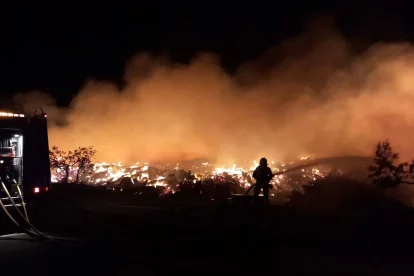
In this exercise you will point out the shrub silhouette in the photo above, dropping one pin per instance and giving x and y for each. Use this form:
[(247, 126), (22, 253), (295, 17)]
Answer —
[(385, 173)]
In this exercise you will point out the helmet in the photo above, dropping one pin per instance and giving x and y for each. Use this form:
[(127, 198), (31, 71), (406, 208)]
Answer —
[(263, 161)]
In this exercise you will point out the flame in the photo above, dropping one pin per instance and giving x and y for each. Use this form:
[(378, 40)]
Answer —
[(232, 171), (102, 174)]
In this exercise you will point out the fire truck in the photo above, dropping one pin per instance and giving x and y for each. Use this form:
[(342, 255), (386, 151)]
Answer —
[(24, 156)]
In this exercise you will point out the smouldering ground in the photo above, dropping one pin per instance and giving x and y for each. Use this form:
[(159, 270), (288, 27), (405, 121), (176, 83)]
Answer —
[(169, 176)]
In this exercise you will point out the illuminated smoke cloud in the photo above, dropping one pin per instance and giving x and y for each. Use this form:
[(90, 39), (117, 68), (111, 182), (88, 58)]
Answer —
[(307, 95)]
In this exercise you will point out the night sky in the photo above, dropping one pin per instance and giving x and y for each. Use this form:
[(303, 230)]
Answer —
[(55, 49)]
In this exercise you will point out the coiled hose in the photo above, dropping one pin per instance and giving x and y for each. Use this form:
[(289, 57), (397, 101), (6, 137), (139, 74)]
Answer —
[(30, 230)]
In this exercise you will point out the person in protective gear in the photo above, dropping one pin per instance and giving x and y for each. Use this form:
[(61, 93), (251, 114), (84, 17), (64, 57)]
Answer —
[(263, 174)]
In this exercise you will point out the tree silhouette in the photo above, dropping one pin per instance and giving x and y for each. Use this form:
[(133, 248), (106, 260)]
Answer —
[(59, 160), (385, 173), (78, 160), (83, 158)]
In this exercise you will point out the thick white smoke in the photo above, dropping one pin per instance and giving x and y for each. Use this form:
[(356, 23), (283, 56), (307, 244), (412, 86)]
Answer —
[(307, 95)]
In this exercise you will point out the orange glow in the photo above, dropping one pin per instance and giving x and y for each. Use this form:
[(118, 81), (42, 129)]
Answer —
[(309, 95)]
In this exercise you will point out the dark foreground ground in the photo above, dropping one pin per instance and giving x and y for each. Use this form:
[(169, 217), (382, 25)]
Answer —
[(340, 230)]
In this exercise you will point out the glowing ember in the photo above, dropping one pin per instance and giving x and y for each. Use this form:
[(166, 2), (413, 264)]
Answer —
[(106, 174)]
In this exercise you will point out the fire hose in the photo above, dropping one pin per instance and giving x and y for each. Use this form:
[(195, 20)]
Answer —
[(317, 162), (29, 229), (35, 233)]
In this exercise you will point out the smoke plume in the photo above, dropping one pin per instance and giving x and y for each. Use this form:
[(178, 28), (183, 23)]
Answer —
[(308, 95)]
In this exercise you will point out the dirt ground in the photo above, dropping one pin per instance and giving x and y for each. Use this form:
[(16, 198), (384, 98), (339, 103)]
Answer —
[(119, 235)]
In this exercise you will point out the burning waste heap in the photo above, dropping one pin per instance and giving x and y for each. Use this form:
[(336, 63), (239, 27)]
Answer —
[(201, 175)]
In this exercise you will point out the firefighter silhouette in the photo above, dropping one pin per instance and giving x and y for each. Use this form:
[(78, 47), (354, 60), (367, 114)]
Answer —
[(263, 175)]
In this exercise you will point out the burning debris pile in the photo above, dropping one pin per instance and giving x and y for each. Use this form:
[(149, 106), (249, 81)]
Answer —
[(171, 178)]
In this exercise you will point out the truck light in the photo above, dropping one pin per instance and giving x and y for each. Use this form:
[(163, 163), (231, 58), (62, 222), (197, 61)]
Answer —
[(47, 189), (36, 190), (6, 114)]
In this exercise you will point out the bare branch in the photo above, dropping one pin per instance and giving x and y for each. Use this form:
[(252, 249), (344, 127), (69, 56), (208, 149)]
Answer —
[(78, 160)]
